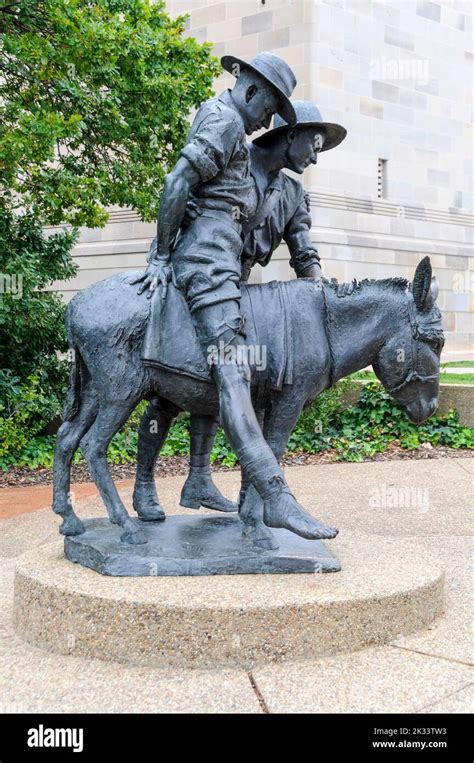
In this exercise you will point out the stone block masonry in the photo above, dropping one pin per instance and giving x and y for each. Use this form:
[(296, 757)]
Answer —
[(397, 75)]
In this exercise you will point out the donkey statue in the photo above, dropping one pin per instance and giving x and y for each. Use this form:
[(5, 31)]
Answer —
[(389, 324)]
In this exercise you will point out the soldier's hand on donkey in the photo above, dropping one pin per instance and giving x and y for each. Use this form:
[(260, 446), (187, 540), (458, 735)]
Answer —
[(158, 273)]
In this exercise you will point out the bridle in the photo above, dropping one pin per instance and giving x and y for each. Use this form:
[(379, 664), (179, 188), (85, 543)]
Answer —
[(416, 336)]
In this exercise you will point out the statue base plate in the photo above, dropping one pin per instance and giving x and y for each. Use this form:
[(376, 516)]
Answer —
[(187, 545)]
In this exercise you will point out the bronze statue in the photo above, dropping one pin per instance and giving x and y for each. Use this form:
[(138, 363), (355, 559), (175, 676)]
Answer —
[(330, 337), (205, 260), (225, 207)]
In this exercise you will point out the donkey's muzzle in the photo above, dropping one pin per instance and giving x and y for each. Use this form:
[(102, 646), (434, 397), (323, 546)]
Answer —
[(420, 410)]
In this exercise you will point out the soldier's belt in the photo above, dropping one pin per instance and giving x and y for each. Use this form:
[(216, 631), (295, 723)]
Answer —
[(222, 214)]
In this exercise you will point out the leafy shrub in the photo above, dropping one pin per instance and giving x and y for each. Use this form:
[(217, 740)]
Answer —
[(32, 329), (355, 433), (377, 420), (25, 408)]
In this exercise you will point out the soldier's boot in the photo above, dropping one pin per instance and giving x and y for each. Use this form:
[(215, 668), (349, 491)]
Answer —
[(199, 489)]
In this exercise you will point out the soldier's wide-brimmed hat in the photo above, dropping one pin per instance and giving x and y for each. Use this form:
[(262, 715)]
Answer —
[(275, 71), (307, 115)]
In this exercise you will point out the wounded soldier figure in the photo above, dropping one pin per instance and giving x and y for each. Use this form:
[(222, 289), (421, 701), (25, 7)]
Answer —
[(205, 259)]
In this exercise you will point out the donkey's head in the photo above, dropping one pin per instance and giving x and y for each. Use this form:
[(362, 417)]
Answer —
[(408, 362)]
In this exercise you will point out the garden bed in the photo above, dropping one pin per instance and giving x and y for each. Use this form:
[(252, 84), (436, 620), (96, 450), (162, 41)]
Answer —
[(169, 466), (375, 428)]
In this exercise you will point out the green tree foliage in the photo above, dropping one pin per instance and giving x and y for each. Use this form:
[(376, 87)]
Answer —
[(94, 106), (31, 317), (32, 333), (95, 98)]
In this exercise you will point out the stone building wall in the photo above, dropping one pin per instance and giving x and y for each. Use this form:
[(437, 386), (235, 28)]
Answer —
[(398, 76)]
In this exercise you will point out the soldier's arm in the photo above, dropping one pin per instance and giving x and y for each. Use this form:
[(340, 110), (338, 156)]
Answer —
[(200, 160), (304, 257), (176, 188), (178, 183)]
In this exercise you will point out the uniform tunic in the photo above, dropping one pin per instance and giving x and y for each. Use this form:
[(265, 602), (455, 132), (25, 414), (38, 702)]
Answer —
[(206, 258), (282, 215)]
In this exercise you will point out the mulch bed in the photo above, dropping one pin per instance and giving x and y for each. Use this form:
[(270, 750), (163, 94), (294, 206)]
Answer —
[(173, 465)]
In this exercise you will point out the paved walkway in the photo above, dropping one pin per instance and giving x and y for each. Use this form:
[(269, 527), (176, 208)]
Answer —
[(426, 672), (21, 500)]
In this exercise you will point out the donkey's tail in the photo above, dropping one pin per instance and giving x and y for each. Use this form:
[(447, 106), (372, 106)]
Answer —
[(73, 396)]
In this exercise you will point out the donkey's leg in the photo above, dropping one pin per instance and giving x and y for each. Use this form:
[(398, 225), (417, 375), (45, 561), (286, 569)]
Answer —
[(68, 438), (199, 489), (278, 427), (111, 416), (152, 433)]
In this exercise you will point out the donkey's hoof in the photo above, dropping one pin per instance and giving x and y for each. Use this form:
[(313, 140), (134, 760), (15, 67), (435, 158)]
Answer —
[(261, 537), (134, 538), (72, 525), (132, 533), (150, 512)]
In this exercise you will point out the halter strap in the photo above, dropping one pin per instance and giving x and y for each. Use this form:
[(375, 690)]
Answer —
[(413, 374)]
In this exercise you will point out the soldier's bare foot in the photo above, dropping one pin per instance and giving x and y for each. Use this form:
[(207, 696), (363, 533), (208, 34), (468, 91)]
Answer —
[(284, 511)]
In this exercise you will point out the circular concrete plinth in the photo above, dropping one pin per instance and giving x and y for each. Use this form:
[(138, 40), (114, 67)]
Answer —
[(386, 588)]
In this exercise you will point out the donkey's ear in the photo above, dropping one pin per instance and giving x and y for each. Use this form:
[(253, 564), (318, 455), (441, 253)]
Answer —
[(434, 289), (422, 284)]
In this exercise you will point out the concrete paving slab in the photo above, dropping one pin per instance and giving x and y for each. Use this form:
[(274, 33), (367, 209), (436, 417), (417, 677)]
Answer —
[(459, 702), (33, 681), (450, 636), (378, 680), (467, 464), (391, 498)]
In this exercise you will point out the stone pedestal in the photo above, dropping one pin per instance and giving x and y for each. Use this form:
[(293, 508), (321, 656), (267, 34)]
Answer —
[(387, 588)]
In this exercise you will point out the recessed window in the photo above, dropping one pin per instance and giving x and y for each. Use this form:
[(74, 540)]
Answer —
[(382, 179)]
